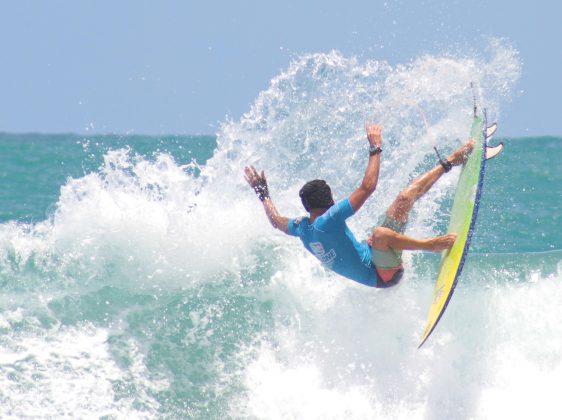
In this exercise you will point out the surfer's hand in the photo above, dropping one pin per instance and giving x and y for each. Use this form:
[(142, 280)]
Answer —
[(257, 182), (374, 134), (442, 242), (253, 177)]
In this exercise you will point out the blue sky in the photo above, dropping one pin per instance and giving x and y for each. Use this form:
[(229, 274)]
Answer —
[(181, 67)]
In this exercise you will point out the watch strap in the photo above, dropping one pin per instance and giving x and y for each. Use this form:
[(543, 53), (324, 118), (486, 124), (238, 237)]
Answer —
[(374, 150)]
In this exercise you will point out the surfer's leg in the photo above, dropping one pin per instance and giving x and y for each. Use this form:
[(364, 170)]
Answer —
[(400, 208), (386, 251), (388, 239), (387, 260)]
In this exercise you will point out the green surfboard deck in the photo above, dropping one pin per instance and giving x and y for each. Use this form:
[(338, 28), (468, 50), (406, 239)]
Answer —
[(463, 218)]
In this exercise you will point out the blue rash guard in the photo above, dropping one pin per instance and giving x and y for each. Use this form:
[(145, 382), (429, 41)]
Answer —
[(330, 240)]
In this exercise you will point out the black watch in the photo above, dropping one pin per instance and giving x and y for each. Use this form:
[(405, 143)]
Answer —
[(374, 150)]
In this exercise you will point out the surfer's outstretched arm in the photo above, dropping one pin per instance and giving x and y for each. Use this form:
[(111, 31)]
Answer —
[(259, 184), (371, 177)]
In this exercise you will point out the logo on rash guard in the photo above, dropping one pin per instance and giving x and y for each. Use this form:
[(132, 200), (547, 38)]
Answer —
[(326, 258)]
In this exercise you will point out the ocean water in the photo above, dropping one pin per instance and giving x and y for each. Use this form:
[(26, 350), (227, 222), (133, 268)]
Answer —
[(139, 277)]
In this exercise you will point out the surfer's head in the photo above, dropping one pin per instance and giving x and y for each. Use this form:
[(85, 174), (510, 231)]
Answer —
[(316, 195)]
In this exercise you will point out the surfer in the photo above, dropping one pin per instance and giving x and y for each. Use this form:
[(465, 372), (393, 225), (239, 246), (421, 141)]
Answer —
[(378, 261)]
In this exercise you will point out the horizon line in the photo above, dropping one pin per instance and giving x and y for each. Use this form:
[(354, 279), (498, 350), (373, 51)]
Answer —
[(132, 134), (100, 134)]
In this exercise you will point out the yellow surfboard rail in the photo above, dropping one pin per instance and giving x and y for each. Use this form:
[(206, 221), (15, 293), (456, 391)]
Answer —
[(463, 218)]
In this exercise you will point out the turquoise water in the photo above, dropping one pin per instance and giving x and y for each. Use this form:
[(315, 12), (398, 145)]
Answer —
[(35, 166), (520, 206), (140, 278)]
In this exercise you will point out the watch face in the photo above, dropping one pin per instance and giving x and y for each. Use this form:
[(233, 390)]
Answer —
[(374, 149)]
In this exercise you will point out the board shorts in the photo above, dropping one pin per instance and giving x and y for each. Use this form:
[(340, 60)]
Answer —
[(389, 263)]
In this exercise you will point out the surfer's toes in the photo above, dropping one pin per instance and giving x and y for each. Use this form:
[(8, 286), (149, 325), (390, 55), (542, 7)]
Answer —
[(460, 156), (440, 243)]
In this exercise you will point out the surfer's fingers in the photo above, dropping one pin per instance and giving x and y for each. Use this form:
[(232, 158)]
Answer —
[(253, 171), (250, 174), (374, 128), (247, 173)]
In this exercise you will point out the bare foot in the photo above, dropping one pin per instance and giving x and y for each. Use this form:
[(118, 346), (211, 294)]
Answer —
[(461, 154), (443, 242)]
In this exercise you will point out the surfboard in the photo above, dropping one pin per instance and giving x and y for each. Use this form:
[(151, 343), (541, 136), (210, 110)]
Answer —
[(463, 219)]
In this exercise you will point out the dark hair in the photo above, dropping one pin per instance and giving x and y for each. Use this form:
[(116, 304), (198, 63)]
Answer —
[(316, 195)]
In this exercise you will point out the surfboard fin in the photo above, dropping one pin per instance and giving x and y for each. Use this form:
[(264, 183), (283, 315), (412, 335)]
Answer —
[(491, 130), (493, 151)]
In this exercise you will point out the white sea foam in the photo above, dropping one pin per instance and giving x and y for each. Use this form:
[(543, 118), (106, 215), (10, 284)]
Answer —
[(69, 373), (354, 355)]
